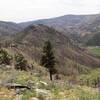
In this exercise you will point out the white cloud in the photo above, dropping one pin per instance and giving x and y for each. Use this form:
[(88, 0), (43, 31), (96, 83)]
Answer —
[(23, 10)]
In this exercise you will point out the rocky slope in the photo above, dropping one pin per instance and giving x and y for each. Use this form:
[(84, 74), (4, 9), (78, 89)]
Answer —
[(41, 88)]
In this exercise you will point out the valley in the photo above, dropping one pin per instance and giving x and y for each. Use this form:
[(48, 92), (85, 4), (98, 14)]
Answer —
[(95, 50)]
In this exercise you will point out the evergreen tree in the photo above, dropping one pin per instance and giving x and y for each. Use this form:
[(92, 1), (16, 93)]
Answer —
[(48, 58)]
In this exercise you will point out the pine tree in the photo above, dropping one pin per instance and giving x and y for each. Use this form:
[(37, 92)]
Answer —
[(48, 58)]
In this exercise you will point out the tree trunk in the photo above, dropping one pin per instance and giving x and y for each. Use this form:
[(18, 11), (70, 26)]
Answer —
[(50, 76)]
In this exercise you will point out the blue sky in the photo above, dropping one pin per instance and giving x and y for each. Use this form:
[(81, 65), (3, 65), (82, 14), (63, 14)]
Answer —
[(26, 10)]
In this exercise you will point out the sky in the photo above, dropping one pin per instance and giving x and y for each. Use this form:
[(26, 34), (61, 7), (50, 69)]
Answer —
[(27, 10)]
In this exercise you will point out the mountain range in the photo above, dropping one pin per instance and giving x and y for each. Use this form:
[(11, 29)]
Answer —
[(65, 34), (78, 27)]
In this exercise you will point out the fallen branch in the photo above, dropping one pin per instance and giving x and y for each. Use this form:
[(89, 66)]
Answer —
[(16, 86)]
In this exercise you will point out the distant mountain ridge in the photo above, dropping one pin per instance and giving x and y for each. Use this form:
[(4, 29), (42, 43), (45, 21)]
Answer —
[(7, 28), (78, 27), (63, 33)]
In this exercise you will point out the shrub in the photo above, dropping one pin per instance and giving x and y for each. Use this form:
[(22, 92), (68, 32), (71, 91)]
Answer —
[(20, 62), (5, 58)]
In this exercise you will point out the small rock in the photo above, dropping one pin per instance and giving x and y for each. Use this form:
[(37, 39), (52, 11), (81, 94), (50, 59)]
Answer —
[(44, 93), (8, 66), (34, 98), (44, 83), (18, 97)]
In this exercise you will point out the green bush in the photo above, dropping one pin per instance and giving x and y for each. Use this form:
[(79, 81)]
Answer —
[(5, 58), (27, 94), (20, 62)]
